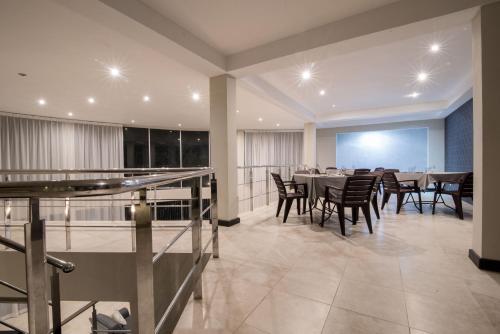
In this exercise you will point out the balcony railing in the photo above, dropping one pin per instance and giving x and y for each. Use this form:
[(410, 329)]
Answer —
[(255, 186), (135, 189)]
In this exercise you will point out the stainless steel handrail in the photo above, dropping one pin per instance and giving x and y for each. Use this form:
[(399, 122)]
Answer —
[(101, 171), (13, 287), (95, 187), (14, 328), (65, 266)]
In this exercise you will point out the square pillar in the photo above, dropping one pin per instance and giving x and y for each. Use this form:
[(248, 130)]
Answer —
[(485, 252), (223, 146), (310, 145)]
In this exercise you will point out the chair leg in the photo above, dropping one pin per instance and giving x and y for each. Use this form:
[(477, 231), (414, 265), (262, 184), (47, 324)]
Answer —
[(298, 206), (434, 202), (375, 206), (304, 207), (401, 198), (310, 210), (340, 210), (420, 201), (366, 213), (385, 199), (323, 211), (355, 214), (280, 204), (288, 205), (458, 206)]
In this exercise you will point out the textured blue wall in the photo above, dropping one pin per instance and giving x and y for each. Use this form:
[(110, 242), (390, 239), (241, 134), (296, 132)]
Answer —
[(458, 139)]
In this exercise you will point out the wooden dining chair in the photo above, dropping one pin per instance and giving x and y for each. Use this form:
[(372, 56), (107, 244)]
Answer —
[(361, 171), (300, 191), (401, 189), (458, 191), (355, 194), (376, 190), (379, 169)]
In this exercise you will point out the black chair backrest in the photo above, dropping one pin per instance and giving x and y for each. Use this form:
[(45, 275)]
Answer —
[(301, 171), (327, 168), (390, 181), (394, 170), (467, 185), (358, 190), (362, 171), (379, 169), (279, 184)]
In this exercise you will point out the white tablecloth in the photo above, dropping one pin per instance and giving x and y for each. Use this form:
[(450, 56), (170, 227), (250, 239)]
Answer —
[(316, 184), (425, 179)]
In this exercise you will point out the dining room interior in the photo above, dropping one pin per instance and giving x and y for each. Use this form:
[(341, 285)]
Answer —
[(249, 167)]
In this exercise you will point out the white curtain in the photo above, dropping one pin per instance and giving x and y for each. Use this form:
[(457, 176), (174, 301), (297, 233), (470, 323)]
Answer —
[(273, 148), (28, 143)]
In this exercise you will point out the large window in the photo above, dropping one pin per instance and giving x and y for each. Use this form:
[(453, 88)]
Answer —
[(165, 148), (195, 149), (136, 147), (405, 149)]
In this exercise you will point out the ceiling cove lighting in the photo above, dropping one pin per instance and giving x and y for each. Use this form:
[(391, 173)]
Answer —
[(413, 95), (42, 102), (196, 96), (91, 100), (435, 48), (422, 76), (146, 98), (322, 92)]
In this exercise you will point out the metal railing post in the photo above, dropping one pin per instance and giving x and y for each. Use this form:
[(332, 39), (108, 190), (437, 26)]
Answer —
[(251, 188), (94, 319), (213, 217), (268, 194), (196, 199), (56, 301), (144, 265), (132, 219), (67, 220), (7, 204), (34, 231)]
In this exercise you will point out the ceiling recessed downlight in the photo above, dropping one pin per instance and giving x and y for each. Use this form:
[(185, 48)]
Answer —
[(114, 72), (70, 114), (322, 92), (278, 125), (146, 98), (306, 75), (334, 105), (413, 95), (195, 96), (260, 119), (435, 48), (237, 111), (91, 100), (179, 125), (422, 76), (132, 121), (42, 102)]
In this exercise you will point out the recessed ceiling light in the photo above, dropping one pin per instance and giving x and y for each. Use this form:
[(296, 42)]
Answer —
[(278, 125), (413, 95), (42, 102), (70, 114), (237, 111), (114, 72), (91, 100), (146, 98), (322, 92), (260, 119), (334, 105), (179, 125), (132, 121), (422, 76), (195, 96), (306, 75), (435, 48)]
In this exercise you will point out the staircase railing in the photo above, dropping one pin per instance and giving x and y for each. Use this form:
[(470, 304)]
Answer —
[(149, 179)]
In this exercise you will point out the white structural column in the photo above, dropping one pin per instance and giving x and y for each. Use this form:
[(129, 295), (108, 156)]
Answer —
[(310, 145), (485, 250), (223, 146)]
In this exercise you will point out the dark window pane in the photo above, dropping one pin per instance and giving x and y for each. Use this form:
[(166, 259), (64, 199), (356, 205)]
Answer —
[(135, 146), (165, 148), (195, 149)]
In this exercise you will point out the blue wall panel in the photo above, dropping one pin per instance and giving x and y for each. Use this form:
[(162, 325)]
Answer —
[(459, 140)]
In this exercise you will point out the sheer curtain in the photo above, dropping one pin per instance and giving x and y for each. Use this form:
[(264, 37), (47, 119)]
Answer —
[(29, 143), (273, 148)]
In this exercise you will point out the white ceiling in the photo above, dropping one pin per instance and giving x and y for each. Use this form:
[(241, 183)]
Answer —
[(65, 53), (380, 77), (232, 26)]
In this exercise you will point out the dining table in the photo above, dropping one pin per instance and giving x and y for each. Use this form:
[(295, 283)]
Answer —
[(424, 179)]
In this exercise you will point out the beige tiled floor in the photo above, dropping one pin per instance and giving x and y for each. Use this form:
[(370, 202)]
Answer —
[(412, 275)]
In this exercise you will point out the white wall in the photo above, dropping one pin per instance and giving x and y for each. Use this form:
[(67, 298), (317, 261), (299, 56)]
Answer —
[(327, 140)]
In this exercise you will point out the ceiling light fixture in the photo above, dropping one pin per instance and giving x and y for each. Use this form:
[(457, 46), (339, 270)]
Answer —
[(70, 114), (278, 125), (413, 95), (260, 119), (422, 76), (334, 105), (237, 111), (179, 125), (306, 75), (91, 100), (42, 102), (435, 48), (132, 121), (114, 72), (322, 92), (195, 96), (146, 98)]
